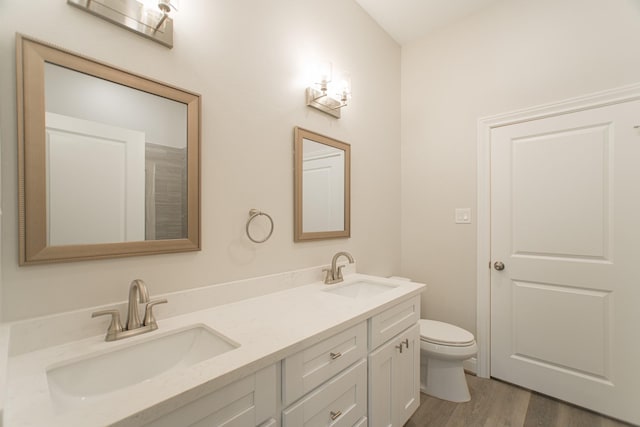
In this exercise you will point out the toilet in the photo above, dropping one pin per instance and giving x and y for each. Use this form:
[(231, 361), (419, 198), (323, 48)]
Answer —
[(443, 348)]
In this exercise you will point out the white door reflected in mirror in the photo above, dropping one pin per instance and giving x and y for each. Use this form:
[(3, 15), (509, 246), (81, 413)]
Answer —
[(100, 171), (322, 187), (95, 182)]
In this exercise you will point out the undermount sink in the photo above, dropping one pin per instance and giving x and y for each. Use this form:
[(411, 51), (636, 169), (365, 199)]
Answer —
[(76, 382), (361, 289)]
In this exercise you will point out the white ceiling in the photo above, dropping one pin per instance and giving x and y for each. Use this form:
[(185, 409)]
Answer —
[(408, 20)]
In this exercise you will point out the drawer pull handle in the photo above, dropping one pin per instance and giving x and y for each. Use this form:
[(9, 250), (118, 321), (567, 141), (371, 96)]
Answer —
[(335, 415), (406, 342), (334, 356), (399, 347)]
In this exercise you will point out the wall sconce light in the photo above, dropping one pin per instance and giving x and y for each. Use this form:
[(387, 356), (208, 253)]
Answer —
[(149, 18), (325, 94)]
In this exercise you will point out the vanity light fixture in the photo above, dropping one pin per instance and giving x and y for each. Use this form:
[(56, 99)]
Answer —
[(149, 18), (324, 94)]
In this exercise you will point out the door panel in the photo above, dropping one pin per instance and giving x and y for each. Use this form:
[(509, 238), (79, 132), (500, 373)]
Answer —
[(560, 193), (565, 311), (539, 336)]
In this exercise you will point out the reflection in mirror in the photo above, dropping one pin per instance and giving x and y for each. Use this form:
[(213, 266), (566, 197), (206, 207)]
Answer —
[(322, 187), (130, 149), (108, 160)]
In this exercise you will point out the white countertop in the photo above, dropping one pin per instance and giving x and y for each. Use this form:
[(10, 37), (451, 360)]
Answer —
[(268, 328)]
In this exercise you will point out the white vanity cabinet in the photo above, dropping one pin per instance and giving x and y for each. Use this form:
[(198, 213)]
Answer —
[(394, 364), (312, 355), (326, 383), (250, 401)]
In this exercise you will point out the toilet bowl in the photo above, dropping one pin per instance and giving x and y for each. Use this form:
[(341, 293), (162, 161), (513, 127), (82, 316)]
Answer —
[(443, 348)]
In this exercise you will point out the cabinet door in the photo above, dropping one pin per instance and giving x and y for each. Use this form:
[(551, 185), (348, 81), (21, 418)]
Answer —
[(381, 374), (394, 380), (407, 383)]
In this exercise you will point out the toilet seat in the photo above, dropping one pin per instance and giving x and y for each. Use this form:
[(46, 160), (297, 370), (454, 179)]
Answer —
[(441, 333)]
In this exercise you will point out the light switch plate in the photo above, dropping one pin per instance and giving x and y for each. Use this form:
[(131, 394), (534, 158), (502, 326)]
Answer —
[(463, 215)]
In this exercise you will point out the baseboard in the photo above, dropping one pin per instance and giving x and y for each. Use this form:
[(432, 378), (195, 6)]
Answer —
[(470, 365)]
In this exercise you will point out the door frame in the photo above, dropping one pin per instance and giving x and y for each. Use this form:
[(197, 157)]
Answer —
[(483, 253)]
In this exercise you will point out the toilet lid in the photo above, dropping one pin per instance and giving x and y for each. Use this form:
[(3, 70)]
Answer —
[(444, 333)]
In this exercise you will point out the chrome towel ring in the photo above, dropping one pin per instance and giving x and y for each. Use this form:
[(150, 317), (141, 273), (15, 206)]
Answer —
[(253, 214)]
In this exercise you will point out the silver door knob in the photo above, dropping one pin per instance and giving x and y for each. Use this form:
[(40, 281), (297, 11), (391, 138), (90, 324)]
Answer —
[(498, 265)]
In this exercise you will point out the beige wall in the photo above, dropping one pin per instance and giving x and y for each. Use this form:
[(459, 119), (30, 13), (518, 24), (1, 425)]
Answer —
[(515, 55), (247, 60)]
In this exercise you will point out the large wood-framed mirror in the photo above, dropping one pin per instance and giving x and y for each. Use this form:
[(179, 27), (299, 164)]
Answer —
[(322, 187), (108, 160)]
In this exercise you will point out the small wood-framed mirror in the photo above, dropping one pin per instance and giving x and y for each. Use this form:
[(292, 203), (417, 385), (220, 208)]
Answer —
[(108, 160), (322, 187)]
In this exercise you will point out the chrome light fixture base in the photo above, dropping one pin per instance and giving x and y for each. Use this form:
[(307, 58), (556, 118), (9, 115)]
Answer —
[(130, 14), (321, 101)]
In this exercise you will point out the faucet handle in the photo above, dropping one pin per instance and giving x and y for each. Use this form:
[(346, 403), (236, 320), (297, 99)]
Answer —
[(149, 320), (339, 274), (328, 275), (115, 327)]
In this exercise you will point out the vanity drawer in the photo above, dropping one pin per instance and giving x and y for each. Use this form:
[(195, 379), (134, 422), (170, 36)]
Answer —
[(307, 369), (340, 402), (392, 321), (246, 402)]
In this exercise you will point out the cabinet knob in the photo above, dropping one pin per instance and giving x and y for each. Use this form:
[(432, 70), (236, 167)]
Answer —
[(335, 414), (335, 355)]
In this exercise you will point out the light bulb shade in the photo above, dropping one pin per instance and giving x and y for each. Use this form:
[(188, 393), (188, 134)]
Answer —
[(344, 85), (323, 73), (150, 4), (162, 5), (172, 4)]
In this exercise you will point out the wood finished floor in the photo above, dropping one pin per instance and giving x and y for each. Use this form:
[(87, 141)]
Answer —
[(495, 404)]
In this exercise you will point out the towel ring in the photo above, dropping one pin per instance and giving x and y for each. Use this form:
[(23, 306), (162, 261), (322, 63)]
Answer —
[(253, 214)]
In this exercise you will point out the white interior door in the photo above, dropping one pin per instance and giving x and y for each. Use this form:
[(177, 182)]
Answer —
[(95, 182), (565, 310)]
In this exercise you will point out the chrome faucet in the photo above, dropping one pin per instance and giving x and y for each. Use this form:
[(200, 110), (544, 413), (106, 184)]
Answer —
[(334, 275), (138, 294)]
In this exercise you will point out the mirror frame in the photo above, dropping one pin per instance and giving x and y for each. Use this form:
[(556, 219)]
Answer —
[(299, 234), (31, 56)]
